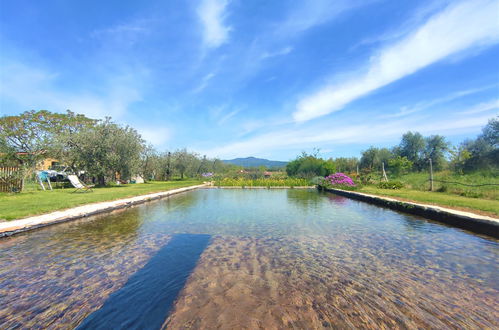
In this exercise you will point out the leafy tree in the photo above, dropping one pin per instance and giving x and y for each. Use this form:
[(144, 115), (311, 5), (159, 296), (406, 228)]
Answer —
[(309, 166), (346, 165), (483, 152), (33, 135), (105, 150), (412, 146), (436, 149), (373, 157), (181, 160), (400, 165)]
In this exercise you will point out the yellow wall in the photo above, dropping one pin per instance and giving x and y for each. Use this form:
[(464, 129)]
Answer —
[(46, 164)]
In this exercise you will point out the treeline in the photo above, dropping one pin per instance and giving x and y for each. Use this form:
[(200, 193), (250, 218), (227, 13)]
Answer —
[(412, 154), (101, 149)]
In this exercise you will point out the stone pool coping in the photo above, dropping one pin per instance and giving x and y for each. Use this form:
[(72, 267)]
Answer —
[(466, 220), (21, 225)]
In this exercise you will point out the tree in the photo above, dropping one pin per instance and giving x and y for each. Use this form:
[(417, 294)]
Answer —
[(346, 165), (436, 149), (483, 152), (181, 161), (105, 150), (373, 157), (400, 165), (34, 135), (412, 146), (308, 166), (27, 137)]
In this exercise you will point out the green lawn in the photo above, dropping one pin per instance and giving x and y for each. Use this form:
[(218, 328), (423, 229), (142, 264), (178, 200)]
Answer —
[(15, 206), (483, 206)]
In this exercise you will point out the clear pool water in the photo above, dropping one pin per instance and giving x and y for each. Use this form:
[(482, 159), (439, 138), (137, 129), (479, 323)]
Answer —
[(232, 258)]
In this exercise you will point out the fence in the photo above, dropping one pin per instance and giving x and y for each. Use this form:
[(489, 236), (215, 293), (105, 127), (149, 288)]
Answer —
[(10, 179)]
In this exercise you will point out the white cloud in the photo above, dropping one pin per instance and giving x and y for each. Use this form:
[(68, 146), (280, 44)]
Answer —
[(204, 83), (325, 136), (280, 52), (308, 14), (482, 107), (407, 110), (158, 136), (228, 116), (457, 28), (36, 88), (212, 14)]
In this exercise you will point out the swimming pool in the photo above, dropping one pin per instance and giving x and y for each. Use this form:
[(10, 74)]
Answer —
[(240, 258)]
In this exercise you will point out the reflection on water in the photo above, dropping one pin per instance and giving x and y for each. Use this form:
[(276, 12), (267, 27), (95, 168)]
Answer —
[(278, 259)]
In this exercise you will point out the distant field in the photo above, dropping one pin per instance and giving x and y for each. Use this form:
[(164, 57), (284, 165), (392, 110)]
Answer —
[(15, 206)]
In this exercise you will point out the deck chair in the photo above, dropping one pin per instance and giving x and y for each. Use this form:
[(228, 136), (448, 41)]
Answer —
[(78, 184)]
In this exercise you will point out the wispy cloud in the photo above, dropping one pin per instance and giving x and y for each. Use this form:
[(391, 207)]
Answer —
[(212, 14), (420, 106), (317, 136), (458, 27), (308, 14), (228, 116), (482, 107), (126, 34), (37, 88), (204, 83), (280, 52)]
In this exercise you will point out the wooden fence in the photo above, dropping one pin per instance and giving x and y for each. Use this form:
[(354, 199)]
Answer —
[(10, 179)]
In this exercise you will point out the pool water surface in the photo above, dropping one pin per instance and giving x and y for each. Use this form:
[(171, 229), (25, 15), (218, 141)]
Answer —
[(241, 258)]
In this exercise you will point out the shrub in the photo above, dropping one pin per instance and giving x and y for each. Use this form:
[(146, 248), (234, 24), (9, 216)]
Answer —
[(393, 184), (338, 180)]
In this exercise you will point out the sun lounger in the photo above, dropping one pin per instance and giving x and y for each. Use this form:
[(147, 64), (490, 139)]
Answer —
[(78, 184)]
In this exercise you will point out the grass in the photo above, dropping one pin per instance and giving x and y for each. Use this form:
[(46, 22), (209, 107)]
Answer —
[(419, 181), (270, 182), (483, 206), (15, 206)]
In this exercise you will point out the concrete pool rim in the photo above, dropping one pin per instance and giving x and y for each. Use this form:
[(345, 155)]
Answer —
[(13, 227), (466, 220)]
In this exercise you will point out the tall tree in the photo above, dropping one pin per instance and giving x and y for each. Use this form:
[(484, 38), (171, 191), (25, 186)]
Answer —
[(413, 146), (106, 149), (373, 157), (436, 149)]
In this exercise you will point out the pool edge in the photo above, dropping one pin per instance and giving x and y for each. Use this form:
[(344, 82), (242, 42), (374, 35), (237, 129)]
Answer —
[(13, 227), (465, 220)]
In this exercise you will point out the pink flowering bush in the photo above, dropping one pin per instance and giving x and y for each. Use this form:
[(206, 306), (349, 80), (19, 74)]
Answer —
[(339, 179)]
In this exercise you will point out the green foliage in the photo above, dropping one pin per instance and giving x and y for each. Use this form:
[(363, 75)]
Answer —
[(346, 165), (316, 180), (412, 146), (400, 165), (308, 166), (372, 158), (393, 184), (481, 153), (242, 182), (104, 150), (436, 149)]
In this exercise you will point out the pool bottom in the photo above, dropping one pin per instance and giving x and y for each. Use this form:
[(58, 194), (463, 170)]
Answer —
[(147, 297), (313, 283)]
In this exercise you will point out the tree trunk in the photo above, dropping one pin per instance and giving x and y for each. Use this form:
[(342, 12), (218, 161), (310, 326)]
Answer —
[(102, 180)]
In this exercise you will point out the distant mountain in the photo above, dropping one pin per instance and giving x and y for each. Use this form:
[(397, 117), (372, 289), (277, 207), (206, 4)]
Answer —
[(255, 162)]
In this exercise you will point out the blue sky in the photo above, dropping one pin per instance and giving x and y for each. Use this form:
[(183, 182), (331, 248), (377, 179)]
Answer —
[(233, 78)]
